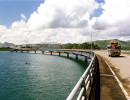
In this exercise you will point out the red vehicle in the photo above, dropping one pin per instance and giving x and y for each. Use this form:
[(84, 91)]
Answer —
[(114, 49)]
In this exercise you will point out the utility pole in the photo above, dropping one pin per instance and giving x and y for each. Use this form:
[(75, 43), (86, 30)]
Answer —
[(92, 40), (91, 43)]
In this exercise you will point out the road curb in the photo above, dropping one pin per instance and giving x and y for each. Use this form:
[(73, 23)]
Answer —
[(119, 83)]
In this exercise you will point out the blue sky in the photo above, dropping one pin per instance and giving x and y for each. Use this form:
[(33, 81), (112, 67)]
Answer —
[(98, 11), (10, 10), (100, 1)]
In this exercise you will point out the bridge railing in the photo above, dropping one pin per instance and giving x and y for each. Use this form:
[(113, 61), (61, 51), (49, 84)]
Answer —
[(125, 51), (85, 83)]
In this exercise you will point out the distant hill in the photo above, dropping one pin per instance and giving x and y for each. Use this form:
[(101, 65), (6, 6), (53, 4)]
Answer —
[(5, 44), (103, 43)]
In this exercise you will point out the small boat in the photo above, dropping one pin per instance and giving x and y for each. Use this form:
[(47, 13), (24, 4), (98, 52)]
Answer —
[(27, 63)]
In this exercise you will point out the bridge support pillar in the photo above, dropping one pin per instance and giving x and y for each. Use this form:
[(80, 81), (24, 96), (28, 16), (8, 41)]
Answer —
[(81, 52), (67, 55), (35, 52), (21, 51), (86, 58), (59, 53), (76, 56), (51, 52), (89, 56), (42, 52)]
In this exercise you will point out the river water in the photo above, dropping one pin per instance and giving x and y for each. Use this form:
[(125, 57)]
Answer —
[(45, 77)]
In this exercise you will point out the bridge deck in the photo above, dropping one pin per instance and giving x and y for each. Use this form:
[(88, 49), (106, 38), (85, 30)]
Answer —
[(121, 67), (109, 88)]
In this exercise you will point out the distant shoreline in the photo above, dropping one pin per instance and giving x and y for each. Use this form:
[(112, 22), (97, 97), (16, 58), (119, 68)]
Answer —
[(5, 49)]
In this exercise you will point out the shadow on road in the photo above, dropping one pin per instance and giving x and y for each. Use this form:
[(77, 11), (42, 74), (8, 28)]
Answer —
[(117, 56)]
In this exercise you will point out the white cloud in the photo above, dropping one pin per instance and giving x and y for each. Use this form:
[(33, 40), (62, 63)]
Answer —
[(23, 16), (59, 20), (62, 14), (69, 21), (115, 20)]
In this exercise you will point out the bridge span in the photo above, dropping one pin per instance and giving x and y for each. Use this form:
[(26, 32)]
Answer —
[(98, 81)]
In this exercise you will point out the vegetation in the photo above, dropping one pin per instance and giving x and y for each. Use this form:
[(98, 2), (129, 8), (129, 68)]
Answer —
[(85, 45), (99, 44), (103, 43), (5, 49)]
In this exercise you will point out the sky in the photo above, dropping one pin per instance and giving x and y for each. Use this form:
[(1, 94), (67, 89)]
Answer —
[(63, 21)]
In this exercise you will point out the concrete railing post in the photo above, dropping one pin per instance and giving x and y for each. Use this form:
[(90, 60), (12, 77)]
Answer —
[(76, 56), (51, 52), (85, 92)]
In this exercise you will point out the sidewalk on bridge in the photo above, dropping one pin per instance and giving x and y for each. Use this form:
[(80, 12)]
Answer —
[(109, 88)]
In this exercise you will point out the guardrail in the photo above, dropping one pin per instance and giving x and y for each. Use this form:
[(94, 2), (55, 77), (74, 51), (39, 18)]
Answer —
[(87, 83), (125, 51)]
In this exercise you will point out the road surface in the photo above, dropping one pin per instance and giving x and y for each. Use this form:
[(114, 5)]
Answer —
[(120, 65)]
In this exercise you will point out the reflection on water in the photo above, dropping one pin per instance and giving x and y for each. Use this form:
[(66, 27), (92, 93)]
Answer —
[(46, 77)]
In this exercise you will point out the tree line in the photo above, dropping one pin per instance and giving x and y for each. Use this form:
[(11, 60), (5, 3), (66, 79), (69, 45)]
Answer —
[(5, 49), (85, 45)]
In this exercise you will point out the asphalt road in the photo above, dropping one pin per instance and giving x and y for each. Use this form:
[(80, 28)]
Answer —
[(121, 67)]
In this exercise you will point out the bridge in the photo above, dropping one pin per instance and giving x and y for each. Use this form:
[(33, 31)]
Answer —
[(99, 81), (87, 54)]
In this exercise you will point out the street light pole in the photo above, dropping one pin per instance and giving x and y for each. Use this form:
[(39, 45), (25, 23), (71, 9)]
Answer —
[(91, 40), (91, 43)]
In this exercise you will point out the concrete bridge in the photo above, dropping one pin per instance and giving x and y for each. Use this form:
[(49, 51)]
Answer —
[(87, 54), (100, 81)]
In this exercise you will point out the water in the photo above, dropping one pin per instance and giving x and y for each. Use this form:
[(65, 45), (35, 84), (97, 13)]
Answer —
[(45, 78)]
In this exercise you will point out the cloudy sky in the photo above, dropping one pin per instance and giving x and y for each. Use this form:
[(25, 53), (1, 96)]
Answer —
[(63, 21)]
